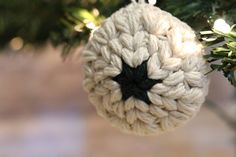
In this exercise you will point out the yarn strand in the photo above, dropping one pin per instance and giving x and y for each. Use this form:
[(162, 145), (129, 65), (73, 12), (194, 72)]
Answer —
[(139, 1)]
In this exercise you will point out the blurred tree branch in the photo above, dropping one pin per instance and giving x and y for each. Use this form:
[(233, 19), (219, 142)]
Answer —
[(69, 23)]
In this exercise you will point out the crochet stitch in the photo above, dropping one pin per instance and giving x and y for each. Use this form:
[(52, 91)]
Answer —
[(144, 70)]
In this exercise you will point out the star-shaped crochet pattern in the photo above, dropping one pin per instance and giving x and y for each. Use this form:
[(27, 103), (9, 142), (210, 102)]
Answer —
[(135, 82)]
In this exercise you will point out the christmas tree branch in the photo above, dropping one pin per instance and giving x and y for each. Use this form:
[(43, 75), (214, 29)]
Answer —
[(221, 42), (69, 23)]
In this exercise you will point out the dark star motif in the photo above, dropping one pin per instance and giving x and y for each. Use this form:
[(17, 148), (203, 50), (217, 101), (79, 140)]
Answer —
[(135, 82)]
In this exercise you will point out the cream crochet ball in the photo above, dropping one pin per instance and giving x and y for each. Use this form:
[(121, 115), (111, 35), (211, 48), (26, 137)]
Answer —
[(144, 70)]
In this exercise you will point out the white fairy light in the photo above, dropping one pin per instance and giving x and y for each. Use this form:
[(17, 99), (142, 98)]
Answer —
[(221, 26), (96, 12), (152, 2), (91, 25)]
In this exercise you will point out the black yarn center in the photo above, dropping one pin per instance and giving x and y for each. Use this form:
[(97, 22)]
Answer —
[(135, 82)]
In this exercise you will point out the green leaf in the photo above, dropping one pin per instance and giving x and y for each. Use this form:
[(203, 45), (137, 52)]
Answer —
[(220, 49), (84, 14), (219, 54), (233, 26), (209, 39), (206, 32), (233, 81), (232, 46), (233, 35), (215, 66)]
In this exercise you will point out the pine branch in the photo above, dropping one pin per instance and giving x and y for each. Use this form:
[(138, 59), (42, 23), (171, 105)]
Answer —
[(222, 57)]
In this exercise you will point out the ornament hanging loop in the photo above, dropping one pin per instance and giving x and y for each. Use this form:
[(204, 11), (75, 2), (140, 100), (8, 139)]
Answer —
[(152, 2), (139, 1)]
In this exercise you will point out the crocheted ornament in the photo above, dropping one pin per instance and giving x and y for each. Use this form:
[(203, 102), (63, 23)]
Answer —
[(144, 70)]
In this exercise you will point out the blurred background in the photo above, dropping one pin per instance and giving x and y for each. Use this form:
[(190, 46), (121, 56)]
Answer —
[(44, 110)]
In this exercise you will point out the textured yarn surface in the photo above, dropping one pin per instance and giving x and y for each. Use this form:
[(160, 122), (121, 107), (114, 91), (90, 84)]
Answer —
[(144, 70)]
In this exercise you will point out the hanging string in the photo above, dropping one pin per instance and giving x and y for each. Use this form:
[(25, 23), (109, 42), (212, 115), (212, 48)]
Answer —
[(152, 2), (141, 1)]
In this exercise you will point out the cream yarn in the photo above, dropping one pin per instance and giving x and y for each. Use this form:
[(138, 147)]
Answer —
[(137, 33)]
